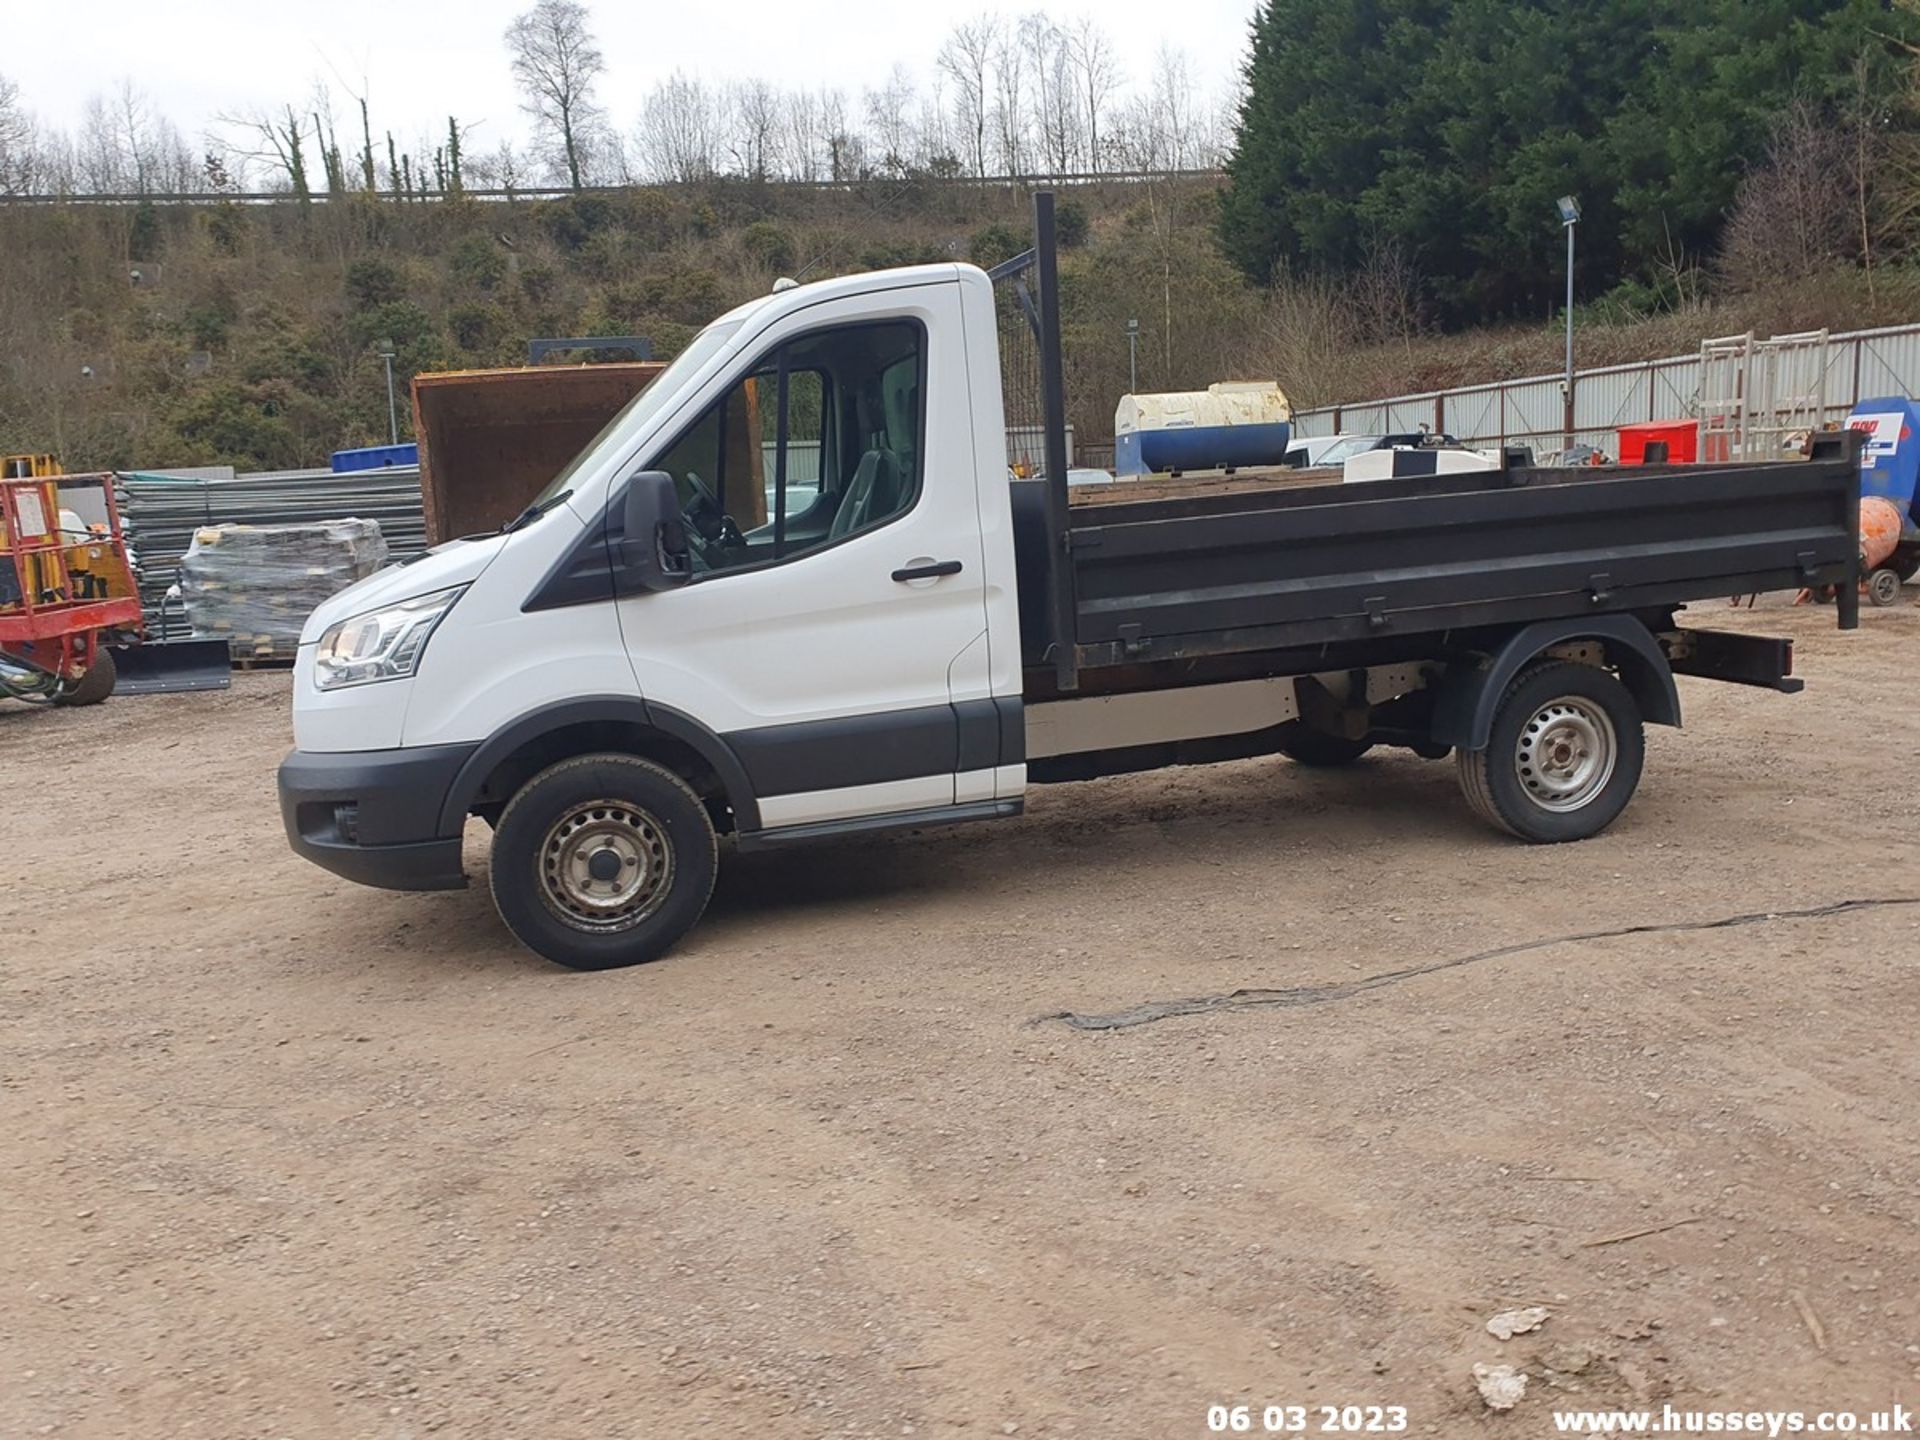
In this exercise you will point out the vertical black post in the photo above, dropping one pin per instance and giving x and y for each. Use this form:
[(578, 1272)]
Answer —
[(780, 460), (1053, 407), (1846, 599)]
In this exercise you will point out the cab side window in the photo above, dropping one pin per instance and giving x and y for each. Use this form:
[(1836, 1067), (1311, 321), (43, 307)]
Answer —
[(819, 443)]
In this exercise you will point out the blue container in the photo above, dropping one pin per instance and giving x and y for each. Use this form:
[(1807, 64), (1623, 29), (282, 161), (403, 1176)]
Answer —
[(375, 457), (1230, 426), (1890, 460)]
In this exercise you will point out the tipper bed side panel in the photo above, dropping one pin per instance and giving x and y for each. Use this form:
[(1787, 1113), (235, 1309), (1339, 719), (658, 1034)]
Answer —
[(1312, 564)]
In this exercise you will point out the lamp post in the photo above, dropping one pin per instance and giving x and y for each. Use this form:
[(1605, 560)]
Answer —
[(392, 415), (1569, 209), (1133, 358)]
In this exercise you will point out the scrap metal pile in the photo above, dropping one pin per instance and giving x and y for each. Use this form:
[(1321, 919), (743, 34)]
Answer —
[(162, 514)]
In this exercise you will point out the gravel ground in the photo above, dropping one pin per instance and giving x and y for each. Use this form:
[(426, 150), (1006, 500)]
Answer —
[(286, 1157)]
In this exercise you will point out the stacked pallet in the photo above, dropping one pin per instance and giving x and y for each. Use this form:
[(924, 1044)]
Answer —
[(162, 512), (255, 585)]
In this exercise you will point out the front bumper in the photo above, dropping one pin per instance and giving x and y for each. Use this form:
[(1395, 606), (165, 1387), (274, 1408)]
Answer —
[(373, 816)]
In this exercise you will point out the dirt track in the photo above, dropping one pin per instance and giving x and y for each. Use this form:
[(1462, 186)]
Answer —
[(285, 1157)]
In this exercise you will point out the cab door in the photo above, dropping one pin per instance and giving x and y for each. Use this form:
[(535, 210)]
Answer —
[(838, 611)]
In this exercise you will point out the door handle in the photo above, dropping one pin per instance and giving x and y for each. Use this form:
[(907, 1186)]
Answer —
[(932, 571)]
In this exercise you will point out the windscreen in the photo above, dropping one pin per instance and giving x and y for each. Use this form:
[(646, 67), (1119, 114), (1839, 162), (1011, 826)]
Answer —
[(643, 407)]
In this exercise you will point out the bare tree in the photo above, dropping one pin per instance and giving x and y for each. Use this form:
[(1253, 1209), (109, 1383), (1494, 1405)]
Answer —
[(97, 150), (845, 153), (1303, 337), (753, 111), (967, 59), (935, 138), (890, 120), (127, 148), (276, 138), (1383, 294), (555, 62), (1793, 216), (326, 137), (1009, 108), (1097, 73), (18, 167), (1056, 111), (1171, 96), (134, 140), (502, 170), (802, 136), (678, 130)]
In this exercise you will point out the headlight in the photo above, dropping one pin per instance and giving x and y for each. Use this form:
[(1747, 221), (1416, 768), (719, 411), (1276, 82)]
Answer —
[(381, 644)]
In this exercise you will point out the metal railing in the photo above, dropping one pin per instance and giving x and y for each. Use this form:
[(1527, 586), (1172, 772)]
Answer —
[(559, 192), (1533, 410)]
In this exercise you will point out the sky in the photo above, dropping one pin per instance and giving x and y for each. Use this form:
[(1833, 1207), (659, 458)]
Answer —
[(423, 60)]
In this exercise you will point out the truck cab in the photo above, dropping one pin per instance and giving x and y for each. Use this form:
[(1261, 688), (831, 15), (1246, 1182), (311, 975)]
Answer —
[(834, 640)]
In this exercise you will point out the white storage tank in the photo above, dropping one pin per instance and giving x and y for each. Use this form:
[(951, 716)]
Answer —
[(1227, 426)]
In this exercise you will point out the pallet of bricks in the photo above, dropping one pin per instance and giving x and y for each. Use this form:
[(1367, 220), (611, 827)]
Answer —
[(255, 585)]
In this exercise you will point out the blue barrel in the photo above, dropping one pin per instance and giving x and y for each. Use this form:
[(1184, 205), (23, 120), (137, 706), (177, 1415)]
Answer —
[(1890, 459)]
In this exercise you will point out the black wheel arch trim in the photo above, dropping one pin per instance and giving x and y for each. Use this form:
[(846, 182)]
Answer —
[(1464, 707), (588, 709)]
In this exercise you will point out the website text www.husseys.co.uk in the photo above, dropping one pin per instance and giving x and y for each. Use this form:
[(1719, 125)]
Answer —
[(1670, 1421)]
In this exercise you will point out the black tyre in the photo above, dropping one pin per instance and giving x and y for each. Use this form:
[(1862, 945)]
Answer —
[(1564, 756), (603, 861), (94, 686), (1321, 750), (1883, 587)]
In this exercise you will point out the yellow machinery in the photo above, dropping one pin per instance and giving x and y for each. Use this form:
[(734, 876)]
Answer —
[(70, 614)]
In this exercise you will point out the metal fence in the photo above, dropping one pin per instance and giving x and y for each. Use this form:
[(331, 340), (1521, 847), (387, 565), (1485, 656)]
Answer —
[(1532, 411)]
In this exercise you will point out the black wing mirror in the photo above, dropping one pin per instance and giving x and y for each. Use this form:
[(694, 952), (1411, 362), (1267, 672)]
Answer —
[(651, 551)]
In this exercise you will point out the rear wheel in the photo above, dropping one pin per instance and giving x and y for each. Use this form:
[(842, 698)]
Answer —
[(94, 686), (1321, 750), (603, 861), (1883, 587), (1564, 756)]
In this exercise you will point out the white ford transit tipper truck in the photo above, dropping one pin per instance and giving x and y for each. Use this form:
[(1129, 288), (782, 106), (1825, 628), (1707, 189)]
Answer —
[(790, 592)]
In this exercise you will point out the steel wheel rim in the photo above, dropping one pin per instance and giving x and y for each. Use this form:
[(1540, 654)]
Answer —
[(605, 866), (1566, 754), (1885, 585)]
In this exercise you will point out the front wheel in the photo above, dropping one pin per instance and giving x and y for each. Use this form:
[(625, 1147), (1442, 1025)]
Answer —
[(603, 861), (1883, 587), (1564, 756), (92, 687)]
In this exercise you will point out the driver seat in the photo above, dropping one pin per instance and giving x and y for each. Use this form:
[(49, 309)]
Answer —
[(873, 494)]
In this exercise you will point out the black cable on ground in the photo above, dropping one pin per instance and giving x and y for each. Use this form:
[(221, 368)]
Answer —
[(1298, 995)]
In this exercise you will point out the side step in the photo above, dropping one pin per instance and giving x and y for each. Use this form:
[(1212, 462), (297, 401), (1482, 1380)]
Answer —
[(870, 824)]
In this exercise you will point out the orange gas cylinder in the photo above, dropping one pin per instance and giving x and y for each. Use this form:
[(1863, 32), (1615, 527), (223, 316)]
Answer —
[(1879, 531)]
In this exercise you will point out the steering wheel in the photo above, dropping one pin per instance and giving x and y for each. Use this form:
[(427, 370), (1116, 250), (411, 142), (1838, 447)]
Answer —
[(710, 530)]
